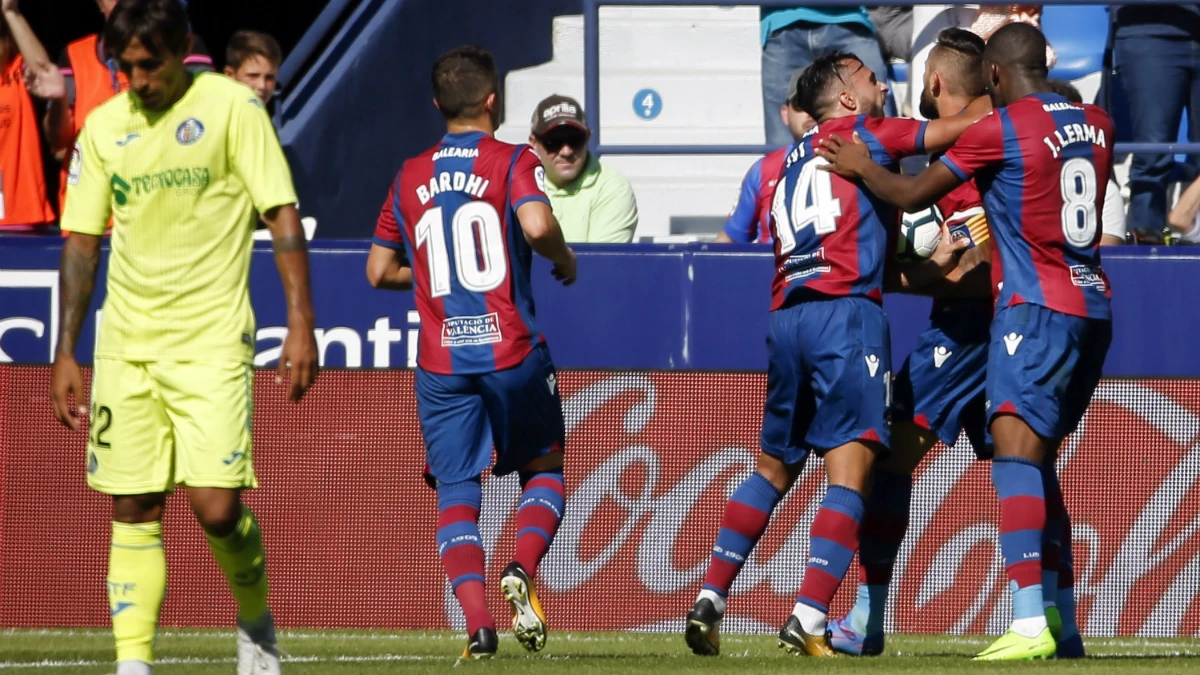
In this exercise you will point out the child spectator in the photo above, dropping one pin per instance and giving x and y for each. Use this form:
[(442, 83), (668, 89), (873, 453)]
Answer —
[(253, 59)]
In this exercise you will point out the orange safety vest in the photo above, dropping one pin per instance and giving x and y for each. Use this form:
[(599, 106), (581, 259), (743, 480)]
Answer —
[(94, 84), (23, 199)]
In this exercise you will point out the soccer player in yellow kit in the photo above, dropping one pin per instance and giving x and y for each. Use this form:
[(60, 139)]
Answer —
[(183, 163)]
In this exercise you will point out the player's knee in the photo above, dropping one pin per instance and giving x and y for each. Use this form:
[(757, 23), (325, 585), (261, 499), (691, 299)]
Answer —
[(217, 510), (778, 474), (145, 508), (1013, 437), (850, 465)]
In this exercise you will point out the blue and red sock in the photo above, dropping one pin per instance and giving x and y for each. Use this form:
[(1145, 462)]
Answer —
[(461, 549), (539, 511), (834, 539), (746, 516), (1052, 534), (1018, 484), (884, 523)]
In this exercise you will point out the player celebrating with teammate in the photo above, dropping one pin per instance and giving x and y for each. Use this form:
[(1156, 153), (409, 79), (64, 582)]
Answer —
[(1042, 164), (468, 211), (829, 363), (940, 388), (182, 163)]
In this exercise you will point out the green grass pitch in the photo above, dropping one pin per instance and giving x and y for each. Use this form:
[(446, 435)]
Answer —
[(310, 652)]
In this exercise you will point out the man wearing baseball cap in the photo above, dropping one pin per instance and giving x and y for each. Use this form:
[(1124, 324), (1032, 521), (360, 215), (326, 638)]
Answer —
[(593, 204)]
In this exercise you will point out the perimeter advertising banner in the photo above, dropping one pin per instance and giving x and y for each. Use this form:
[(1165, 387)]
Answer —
[(349, 523)]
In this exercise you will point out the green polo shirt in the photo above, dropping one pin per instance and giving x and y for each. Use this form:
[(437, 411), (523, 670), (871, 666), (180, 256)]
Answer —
[(597, 208)]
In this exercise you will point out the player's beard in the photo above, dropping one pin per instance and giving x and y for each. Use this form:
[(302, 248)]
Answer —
[(928, 106)]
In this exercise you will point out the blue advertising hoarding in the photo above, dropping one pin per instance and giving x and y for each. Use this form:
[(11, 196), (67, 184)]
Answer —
[(696, 307)]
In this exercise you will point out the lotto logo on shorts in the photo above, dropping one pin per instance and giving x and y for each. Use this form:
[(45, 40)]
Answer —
[(462, 331), (1086, 275)]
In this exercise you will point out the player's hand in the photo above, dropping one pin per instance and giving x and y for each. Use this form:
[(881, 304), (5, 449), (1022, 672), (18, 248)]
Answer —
[(66, 383), (948, 250), (845, 157), (565, 271), (300, 358)]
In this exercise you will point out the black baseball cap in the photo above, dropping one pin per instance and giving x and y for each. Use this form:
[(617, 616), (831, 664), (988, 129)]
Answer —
[(794, 88), (555, 111)]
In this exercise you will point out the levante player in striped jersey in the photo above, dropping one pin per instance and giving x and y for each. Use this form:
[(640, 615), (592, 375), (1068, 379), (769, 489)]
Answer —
[(829, 354), (467, 213), (1042, 164)]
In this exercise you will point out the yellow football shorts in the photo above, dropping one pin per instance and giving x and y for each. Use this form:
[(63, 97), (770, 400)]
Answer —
[(155, 425)]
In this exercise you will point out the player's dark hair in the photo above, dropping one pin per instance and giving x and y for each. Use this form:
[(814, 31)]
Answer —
[(818, 86), (248, 43), (1066, 90), (960, 56), (463, 78), (157, 24), (1018, 47)]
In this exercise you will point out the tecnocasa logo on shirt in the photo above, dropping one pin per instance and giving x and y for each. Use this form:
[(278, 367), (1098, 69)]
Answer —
[(195, 177)]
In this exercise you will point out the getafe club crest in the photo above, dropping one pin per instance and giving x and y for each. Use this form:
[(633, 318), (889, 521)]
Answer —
[(189, 132)]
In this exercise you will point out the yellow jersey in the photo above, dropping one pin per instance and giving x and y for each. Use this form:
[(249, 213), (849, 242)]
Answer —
[(183, 187)]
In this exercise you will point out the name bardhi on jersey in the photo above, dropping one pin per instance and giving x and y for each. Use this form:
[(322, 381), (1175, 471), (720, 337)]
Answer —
[(456, 181), (1074, 133)]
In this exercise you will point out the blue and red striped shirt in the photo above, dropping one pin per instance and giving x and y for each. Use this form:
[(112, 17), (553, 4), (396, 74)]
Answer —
[(750, 219), (832, 234), (1042, 165), (454, 207)]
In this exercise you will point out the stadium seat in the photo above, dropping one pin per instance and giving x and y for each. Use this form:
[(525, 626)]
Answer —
[(1078, 34), (705, 65)]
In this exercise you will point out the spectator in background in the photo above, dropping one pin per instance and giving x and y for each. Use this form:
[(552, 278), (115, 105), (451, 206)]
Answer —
[(894, 26), (24, 206), (1112, 219), (91, 79), (1183, 218), (750, 219), (1156, 53), (594, 204), (253, 58), (794, 37)]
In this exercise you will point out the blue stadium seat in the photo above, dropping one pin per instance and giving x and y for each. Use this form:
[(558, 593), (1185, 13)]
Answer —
[(1078, 34)]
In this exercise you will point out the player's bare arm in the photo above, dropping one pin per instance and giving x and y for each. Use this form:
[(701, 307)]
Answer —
[(387, 269), (852, 160), (970, 279), (76, 282), (941, 133), (546, 238), (291, 257)]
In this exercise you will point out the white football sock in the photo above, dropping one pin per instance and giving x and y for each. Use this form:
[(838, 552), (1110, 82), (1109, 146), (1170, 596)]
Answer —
[(1030, 627), (812, 620), (134, 668), (716, 599)]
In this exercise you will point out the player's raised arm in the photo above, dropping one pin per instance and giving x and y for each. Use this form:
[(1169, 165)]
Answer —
[(942, 133), (852, 159)]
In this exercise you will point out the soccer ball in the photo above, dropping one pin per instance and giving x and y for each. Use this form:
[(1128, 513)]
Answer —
[(919, 234)]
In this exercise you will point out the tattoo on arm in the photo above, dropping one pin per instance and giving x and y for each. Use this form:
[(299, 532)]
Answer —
[(289, 244), (77, 280)]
